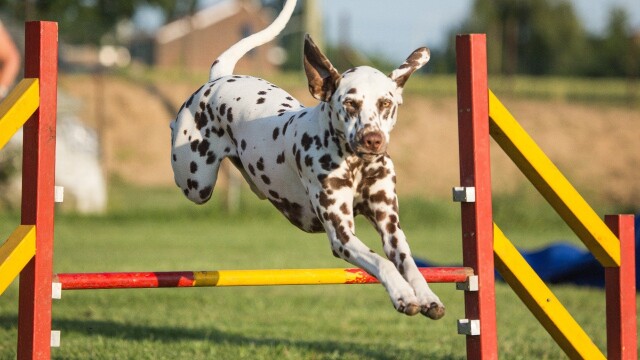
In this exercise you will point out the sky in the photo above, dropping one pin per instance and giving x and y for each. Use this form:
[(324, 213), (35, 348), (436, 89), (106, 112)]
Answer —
[(395, 28)]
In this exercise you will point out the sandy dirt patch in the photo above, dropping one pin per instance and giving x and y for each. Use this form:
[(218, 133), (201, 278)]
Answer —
[(596, 146)]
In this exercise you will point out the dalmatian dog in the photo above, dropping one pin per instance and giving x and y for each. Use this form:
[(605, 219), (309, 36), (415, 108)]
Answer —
[(319, 166)]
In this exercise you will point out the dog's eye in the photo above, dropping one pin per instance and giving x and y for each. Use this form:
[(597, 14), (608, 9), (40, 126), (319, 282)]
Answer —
[(348, 103), (386, 103)]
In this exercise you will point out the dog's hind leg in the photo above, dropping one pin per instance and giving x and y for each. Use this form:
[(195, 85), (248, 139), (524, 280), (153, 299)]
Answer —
[(196, 153)]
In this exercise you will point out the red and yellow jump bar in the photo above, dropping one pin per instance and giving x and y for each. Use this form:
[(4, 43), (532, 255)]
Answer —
[(137, 280)]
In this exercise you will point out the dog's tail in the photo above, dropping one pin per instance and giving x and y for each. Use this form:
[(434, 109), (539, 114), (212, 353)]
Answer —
[(226, 62)]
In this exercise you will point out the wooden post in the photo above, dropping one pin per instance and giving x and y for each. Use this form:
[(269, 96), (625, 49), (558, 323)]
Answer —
[(38, 174), (475, 171), (620, 283)]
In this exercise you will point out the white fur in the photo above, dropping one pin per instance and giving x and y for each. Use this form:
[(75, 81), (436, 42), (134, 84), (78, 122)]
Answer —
[(319, 166)]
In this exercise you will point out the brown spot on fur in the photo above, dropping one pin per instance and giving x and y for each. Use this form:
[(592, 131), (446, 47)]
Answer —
[(345, 209), (394, 243), (326, 201), (391, 228), (380, 197), (341, 232), (336, 183)]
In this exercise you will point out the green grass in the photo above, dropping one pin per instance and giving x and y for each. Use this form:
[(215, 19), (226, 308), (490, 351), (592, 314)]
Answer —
[(157, 229)]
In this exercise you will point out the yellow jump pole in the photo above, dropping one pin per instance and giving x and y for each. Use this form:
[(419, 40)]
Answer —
[(15, 253), (16, 108), (550, 182), (541, 301)]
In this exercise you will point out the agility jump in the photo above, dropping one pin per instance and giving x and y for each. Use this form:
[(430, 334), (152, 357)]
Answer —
[(29, 250)]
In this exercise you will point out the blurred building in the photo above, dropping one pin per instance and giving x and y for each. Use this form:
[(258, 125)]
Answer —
[(193, 42)]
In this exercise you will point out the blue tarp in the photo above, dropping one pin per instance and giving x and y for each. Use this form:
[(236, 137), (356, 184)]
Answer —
[(565, 263)]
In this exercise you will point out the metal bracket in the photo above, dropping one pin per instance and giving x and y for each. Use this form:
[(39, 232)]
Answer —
[(471, 284), (468, 327), (58, 196), (56, 290), (55, 338), (464, 194)]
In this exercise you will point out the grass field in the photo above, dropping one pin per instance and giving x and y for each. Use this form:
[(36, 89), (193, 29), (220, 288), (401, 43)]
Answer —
[(156, 229)]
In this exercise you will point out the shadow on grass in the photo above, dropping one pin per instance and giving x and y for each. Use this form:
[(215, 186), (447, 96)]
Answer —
[(130, 332)]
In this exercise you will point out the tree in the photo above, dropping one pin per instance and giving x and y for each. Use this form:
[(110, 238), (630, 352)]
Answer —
[(528, 36), (88, 21), (617, 53)]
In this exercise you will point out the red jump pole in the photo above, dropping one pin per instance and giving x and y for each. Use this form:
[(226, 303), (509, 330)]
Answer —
[(38, 174), (475, 172), (620, 284)]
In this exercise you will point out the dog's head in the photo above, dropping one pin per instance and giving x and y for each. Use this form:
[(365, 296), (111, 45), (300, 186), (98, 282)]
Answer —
[(363, 101)]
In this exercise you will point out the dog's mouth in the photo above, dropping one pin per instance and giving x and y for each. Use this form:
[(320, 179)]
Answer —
[(368, 155)]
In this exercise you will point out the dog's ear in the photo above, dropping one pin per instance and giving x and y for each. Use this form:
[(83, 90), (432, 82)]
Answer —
[(415, 61), (323, 78)]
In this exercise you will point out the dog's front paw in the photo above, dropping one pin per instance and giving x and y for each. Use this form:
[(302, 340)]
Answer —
[(403, 298), (407, 308), (430, 304), (434, 311)]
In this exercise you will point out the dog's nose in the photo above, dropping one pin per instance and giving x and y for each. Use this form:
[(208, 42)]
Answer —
[(373, 141)]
